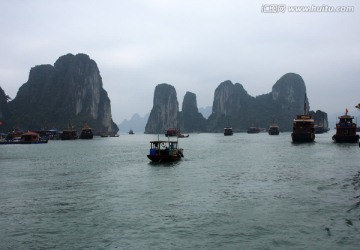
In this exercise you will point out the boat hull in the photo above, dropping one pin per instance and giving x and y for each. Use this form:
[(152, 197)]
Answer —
[(23, 142), (273, 132), (345, 139), (228, 131), (86, 136), (164, 158), (303, 137)]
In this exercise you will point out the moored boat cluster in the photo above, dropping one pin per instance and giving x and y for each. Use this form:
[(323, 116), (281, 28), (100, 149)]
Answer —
[(43, 136)]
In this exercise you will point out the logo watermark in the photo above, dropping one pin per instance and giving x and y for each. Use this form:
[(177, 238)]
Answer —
[(282, 8)]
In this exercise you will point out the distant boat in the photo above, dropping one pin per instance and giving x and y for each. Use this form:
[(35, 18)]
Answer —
[(346, 130), (163, 151), (303, 127), (86, 132), (69, 134), (183, 136), (253, 130), (131, 132), (273, 129), (228, 130), (319, 129), (173, 132), (170, 132)]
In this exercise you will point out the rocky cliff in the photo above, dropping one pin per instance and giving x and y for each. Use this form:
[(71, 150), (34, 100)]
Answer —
[(233, 104), (68, 93), (191, 119), (164, 113), (3, 107)]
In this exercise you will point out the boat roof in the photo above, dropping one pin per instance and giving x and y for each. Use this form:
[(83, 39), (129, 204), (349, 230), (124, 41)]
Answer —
[(30, 133), (303, 120), (162, 141), (346, 117)]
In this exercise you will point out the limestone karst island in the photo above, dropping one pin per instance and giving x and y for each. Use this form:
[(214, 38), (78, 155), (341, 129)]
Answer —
[(71, 93)]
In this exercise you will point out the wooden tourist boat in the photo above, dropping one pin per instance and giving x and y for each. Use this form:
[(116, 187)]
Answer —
[(346, 130), (86, 132), (69, 134), (273, 129), (303, 126), (163, 151), (303, 129)]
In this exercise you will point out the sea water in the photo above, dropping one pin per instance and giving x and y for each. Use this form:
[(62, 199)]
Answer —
[(246, 191)]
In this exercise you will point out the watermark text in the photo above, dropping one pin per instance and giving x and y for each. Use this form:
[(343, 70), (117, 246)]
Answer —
[(282, 8)]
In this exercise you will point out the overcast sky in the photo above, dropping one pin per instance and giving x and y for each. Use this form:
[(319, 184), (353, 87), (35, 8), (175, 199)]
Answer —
[(193, 45)]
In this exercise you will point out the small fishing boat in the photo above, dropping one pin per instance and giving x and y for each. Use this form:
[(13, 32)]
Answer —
[(163, 151), (183, 136), (345, 130), (86, 132), (131, 132)]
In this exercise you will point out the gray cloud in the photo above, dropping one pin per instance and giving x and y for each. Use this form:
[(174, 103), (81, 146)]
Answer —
[(193, 45)]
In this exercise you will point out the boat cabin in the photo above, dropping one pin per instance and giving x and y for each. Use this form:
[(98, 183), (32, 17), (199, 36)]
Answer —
[(164, 151), (346, 130), (30, 137)]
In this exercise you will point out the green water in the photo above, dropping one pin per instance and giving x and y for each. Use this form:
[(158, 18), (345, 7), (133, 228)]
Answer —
[(246, 191)]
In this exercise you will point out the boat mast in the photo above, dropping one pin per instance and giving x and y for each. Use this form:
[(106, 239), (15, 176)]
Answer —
[(306, 111)]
